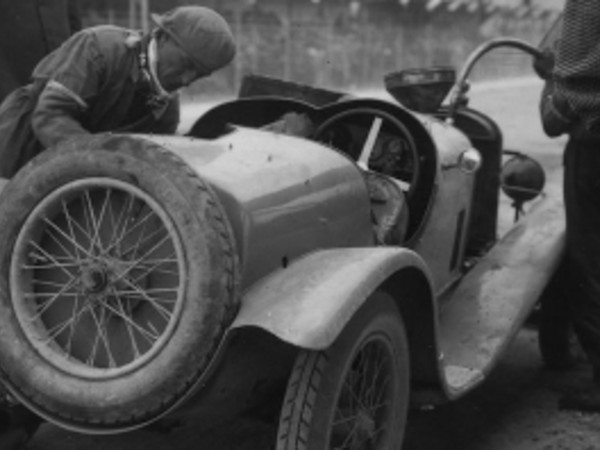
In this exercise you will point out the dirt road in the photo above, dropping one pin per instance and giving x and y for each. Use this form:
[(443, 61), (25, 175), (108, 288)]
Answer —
[(515, 409)]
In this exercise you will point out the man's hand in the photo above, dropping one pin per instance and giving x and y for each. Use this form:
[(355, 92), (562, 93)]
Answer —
[(556, 113), (544, 65)]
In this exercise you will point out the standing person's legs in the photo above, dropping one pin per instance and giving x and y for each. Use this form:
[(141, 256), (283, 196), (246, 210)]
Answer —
[(555, 329), (582, 203)]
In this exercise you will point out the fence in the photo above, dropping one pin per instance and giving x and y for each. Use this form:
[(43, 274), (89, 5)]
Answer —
[(350, 54)]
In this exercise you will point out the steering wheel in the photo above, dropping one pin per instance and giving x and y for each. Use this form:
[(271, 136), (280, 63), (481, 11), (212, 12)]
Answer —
[(388, 146)]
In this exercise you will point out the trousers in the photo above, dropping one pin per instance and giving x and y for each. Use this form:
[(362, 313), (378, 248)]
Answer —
[(582, 207)]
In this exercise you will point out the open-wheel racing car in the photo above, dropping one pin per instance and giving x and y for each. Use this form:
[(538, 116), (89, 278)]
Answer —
[(338, 273)]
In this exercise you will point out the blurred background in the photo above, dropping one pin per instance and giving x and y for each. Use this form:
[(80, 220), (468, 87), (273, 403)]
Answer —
[(350, 44)]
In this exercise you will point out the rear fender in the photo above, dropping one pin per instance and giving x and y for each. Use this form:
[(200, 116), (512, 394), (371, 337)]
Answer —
[(308, 303)]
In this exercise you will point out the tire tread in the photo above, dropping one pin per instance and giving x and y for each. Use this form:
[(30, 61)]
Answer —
[(226, 310), (300, 401)]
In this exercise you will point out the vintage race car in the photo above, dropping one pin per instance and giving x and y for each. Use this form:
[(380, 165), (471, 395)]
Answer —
[(330, 260)]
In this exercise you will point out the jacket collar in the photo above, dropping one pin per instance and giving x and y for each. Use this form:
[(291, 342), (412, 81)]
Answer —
[(135, 41), (152, 67), (144, 72)]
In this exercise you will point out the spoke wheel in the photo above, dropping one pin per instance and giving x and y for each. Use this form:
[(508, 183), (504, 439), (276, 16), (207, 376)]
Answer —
[(353, 396), (117, 285), (96, 277)]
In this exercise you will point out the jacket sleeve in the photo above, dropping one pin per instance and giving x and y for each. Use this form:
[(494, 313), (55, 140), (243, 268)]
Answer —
[(76, 74), (56, 115)]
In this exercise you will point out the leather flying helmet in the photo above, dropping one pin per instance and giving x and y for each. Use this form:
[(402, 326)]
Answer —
[(202, 33)]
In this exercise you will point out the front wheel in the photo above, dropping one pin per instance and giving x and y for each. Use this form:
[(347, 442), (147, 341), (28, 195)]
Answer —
[(354, 395)]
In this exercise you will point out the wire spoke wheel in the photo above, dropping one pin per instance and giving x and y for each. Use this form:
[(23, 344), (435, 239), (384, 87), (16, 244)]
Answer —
[(120, 279), (364, 405), (96, 277), (354, 395)]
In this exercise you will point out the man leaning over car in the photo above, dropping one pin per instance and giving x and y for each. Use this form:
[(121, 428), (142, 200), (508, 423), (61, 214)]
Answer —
[(108, 78)]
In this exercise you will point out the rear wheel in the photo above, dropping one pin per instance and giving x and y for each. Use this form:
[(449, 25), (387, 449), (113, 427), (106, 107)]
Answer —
[(121, 273), (354, 395)]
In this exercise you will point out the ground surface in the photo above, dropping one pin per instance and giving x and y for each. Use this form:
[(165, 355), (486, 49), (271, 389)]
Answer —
[(515, 409)]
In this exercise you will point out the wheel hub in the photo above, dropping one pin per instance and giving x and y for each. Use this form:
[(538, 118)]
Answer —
[(94, 279), (365, 424)]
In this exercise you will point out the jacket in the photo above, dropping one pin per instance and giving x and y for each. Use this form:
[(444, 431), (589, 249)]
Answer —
[(95, 82)]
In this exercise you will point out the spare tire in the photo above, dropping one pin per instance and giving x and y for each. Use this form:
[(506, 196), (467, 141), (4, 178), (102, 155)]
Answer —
[(118, 277)]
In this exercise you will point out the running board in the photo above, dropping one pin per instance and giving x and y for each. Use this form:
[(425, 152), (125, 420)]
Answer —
[(482, 314)]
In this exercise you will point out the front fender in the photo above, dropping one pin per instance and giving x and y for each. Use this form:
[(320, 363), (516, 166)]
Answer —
[(308, 303)]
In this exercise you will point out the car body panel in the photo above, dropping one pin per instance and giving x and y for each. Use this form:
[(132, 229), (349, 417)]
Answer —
[(440, 242), (308, 303), (484, 135), (284, 196), (481, 315)]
